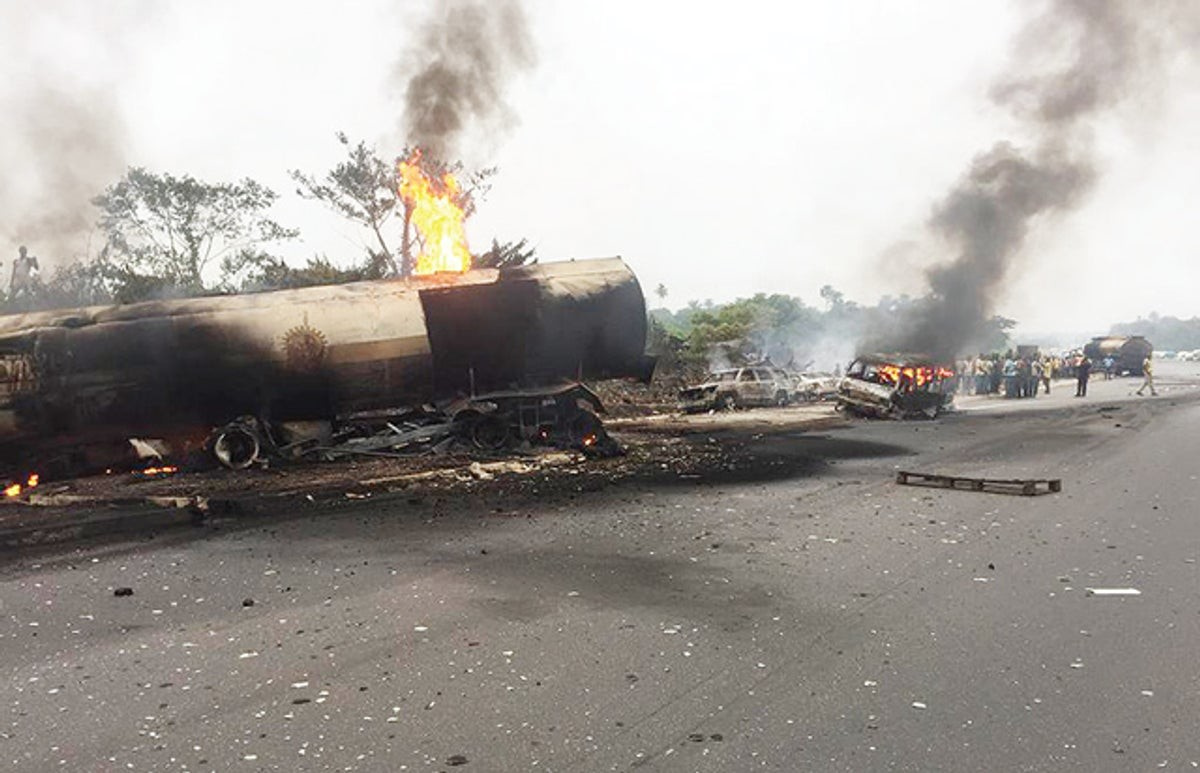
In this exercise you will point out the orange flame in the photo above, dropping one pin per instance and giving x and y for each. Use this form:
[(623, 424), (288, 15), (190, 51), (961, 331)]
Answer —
[(15, 489), (915, 376), (159, 470), (437, 217)]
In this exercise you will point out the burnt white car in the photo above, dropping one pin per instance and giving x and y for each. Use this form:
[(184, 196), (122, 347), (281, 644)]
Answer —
[(811, 386), (737, 388)]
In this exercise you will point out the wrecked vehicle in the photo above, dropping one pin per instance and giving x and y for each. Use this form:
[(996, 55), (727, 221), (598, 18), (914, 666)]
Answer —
[(895, 386), (488, 349), (737, 388), (812, 387), (1127, 352)]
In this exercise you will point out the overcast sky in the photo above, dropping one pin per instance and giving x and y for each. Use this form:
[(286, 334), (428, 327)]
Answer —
[(722, 148)]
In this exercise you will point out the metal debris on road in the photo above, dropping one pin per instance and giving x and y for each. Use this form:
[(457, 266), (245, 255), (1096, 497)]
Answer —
[(1112, 592)]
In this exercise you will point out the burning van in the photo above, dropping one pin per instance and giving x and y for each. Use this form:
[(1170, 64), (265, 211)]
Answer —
[(896, 386)]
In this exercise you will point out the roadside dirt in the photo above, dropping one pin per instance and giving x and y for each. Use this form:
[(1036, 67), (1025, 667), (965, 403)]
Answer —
[(661, 449)]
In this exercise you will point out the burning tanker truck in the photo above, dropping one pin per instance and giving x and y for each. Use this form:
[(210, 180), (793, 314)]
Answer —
[(497, 354)]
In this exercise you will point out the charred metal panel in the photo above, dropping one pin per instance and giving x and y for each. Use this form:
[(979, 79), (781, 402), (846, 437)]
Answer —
[(480, 335), (538, 324), (153, 368)]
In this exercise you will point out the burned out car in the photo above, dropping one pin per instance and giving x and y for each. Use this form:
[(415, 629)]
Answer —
[(896, 386), (811, 387), (737, 388)]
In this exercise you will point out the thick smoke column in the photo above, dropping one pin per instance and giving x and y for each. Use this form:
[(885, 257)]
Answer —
[(455, 80), (64, 137), (71, 145), (1110, 47)]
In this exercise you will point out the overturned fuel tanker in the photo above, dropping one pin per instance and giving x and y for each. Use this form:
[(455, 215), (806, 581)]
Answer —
[(497, 344)]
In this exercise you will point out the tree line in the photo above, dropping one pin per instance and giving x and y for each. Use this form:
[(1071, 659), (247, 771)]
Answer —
[(1167, 333), (168, 236), (783, 329)]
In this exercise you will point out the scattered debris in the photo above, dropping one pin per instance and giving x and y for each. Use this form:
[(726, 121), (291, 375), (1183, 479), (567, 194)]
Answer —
[(1025, 487), (1112, 592)]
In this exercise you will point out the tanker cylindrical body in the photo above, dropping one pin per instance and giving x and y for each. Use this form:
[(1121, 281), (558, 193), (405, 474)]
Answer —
[(1128, 352), (154, 368)]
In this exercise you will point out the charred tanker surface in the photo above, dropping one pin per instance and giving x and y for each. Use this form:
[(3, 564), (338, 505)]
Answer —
[(173, 368), (1127, 352)]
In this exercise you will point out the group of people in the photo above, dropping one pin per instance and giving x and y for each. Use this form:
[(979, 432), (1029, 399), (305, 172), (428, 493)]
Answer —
[(1017, 376), (1009, 374)]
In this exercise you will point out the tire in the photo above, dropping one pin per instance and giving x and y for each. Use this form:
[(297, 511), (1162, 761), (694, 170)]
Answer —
[(585, 429), (782, 400), (489, 433), (727, 402)]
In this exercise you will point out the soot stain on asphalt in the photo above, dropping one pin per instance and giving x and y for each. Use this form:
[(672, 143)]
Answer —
[(768, 458), (609, 580)]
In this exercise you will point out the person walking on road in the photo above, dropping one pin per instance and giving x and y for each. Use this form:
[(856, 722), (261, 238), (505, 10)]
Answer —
[(1147, 376), (1083, 369)]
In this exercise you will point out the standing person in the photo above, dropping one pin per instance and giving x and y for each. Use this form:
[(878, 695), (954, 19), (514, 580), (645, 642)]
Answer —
[(1108, 367), (1010, 377), (1147, 375), (1037, 370), (964, 377), (1083, 369), (24, 271), (1048, 372)]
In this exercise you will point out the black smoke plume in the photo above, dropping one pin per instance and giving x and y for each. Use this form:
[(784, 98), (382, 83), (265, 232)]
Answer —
[(455, 80), (1075, 61)]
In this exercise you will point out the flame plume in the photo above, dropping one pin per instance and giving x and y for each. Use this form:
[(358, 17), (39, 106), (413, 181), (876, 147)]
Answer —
[(436, 214)]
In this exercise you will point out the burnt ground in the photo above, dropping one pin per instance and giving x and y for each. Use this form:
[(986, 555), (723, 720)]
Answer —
[(658, 450), (806, 613)]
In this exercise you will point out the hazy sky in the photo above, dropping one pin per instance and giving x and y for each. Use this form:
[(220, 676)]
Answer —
[(721, 148)]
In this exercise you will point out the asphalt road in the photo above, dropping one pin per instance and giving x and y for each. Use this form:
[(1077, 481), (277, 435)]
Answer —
[(814, 617)]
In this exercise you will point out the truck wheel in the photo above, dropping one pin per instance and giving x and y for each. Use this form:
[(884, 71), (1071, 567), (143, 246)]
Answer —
[(585, 429), (489, 433)]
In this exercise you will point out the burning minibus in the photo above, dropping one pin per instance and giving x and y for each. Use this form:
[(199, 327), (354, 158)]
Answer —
[(896, 386)]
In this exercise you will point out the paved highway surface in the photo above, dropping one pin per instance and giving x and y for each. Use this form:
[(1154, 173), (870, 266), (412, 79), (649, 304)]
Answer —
[(812, 616)]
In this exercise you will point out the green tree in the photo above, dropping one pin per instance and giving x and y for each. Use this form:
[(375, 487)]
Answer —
[(364, 188), (749, 328), (169, 234), (517, 253)]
